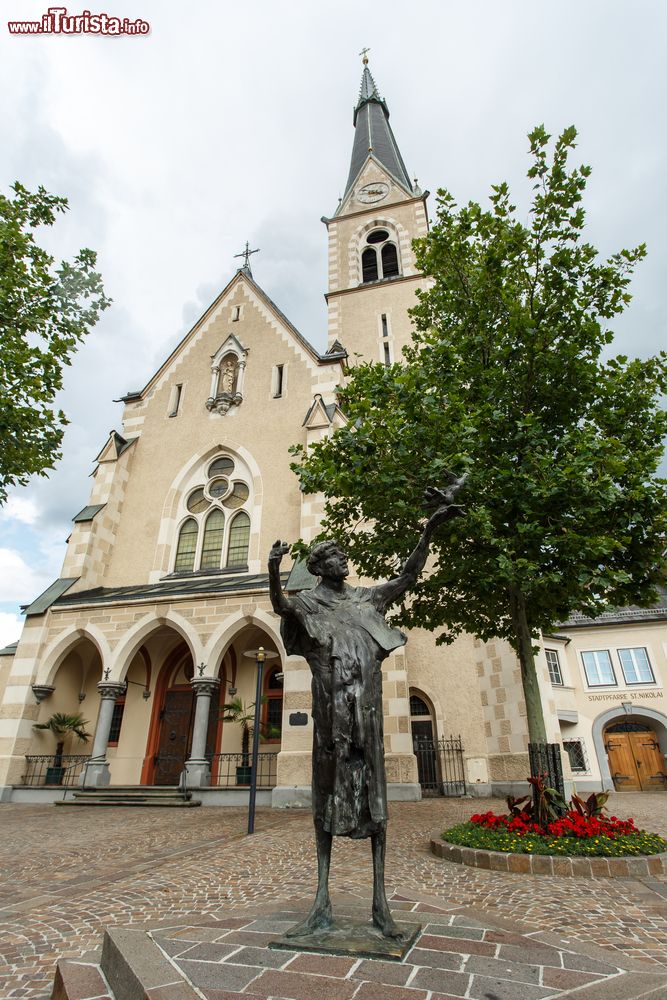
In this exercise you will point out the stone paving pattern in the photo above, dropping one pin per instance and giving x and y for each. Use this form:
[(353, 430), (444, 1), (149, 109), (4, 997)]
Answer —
[(66, 875)]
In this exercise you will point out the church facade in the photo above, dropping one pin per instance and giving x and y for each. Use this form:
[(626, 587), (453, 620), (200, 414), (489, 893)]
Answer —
[(153, 626)]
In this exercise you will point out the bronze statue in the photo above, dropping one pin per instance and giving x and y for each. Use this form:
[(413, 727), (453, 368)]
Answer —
[(341, 631)]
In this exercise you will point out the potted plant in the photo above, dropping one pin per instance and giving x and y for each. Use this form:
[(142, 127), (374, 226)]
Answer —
[(62, 726), (237, 711)]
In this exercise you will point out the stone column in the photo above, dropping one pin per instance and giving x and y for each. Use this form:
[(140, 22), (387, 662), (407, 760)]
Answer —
[(197, 766), (96, 774)]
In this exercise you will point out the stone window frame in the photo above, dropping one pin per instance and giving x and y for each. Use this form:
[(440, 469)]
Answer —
[(237, 475), (581, 750), (272, 694), (358, 245)]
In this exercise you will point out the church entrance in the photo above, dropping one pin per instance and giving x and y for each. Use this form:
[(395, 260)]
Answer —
[(635, 760), (175, 736)]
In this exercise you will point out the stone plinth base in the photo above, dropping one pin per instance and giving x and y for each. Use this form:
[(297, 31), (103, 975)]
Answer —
[(95, 775), (345, 937), (198, 773)]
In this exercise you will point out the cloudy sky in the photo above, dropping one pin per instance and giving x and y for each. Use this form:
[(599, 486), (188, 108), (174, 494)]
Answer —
[(233, 121)]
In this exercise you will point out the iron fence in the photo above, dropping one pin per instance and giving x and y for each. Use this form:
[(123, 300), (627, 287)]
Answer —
[(54, 769), (440, 766), (234, 770)]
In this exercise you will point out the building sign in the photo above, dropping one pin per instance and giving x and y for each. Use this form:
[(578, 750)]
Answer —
[(625, 695)]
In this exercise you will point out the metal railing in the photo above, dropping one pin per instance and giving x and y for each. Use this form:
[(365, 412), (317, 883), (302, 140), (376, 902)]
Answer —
[(440, 766), (234, 770), (61, 770)]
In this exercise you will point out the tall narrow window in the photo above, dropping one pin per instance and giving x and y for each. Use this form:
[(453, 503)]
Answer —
[(369, 265), (175, 399), (211, 553), (553, 663), (278, 381), (385, 326), (239, 539), (389, 261), (273, 705), (236, 314), (187, 545), (116, 721), (387, 353)]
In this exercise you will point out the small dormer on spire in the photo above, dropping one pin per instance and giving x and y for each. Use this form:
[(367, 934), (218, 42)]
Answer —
[(373, 135)]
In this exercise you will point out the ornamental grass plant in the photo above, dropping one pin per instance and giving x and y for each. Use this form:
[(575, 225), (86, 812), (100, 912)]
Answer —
[(577, 828)]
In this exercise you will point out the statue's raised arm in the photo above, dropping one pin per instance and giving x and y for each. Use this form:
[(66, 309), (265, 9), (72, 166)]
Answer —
[(280, 604), (441, 503)]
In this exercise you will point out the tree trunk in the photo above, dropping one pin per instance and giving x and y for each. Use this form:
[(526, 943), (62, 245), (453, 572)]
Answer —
[(537, 732)]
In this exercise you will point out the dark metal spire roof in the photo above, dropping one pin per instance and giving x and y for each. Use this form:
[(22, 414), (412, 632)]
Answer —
[(373, 135)]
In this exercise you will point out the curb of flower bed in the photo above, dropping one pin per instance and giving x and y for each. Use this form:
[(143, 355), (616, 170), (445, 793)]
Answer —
[(547, 864)]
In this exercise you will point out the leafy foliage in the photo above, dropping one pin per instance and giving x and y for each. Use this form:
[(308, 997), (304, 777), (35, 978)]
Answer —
[(237, 711), (506, 380), (61, 725), (45, 311)]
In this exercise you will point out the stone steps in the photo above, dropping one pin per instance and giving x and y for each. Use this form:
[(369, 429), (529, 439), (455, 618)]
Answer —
[(131, 967), (160, 797)]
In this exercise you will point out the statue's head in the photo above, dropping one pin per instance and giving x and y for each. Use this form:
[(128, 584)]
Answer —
[(328, 559)]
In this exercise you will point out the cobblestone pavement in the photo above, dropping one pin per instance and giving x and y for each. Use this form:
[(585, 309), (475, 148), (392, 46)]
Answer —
[(65, 874)]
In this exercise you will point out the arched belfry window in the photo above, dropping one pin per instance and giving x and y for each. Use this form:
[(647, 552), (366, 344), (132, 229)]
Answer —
[(227, 375), (379, 257), (216, 532)]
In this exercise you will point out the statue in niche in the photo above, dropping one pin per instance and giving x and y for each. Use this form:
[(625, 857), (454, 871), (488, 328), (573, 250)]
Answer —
[(228, 376), (341, 631)]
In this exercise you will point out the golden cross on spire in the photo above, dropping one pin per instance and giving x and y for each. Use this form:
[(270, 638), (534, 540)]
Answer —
[(364, 56)]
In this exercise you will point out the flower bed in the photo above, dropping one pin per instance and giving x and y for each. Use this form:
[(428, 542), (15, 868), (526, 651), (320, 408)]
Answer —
[(571, 835)]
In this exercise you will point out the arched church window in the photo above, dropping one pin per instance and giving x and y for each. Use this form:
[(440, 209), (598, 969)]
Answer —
[(216, 535), (379, 259), (187, 546), (239, 539), (369, 265), (214, 532), (389, 260)]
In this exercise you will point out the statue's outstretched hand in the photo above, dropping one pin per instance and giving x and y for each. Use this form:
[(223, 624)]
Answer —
[(441, 502), (278, 550)]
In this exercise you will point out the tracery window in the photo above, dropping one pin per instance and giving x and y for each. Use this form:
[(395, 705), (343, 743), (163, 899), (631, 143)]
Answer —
[(379, 258), (216, 531)]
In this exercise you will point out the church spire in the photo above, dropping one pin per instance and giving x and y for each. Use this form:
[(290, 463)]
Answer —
[(373, 135)]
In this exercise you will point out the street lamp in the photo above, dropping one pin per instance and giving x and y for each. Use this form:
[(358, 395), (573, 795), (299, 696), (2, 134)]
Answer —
[(259, 655)]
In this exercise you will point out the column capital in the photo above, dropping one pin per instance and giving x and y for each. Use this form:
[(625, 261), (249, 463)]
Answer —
[(205, 685), (111, 689)]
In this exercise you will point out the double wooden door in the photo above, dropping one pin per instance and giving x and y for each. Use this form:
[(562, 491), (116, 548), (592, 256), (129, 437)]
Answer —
[(635, 761)]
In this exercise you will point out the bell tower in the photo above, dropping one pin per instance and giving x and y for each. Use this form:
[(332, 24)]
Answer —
[(372, 274)]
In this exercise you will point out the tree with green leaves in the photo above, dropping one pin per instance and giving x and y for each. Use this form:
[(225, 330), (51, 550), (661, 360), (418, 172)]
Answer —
[(62, 726), (45, 311), (507, 380)]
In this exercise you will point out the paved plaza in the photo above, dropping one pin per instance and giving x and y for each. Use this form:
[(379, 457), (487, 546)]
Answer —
[(67, 874)]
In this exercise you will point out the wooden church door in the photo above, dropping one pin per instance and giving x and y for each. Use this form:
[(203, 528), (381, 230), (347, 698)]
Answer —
[(635, 760)]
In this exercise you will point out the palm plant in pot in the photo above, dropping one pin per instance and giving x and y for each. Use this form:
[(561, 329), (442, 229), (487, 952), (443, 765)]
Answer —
[(236, 710), (62, 726)]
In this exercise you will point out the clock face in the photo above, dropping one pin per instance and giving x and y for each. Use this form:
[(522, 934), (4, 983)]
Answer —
[(370, 193)]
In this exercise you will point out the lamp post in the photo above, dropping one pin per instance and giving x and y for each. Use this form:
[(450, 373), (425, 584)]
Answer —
[(259, 655)]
